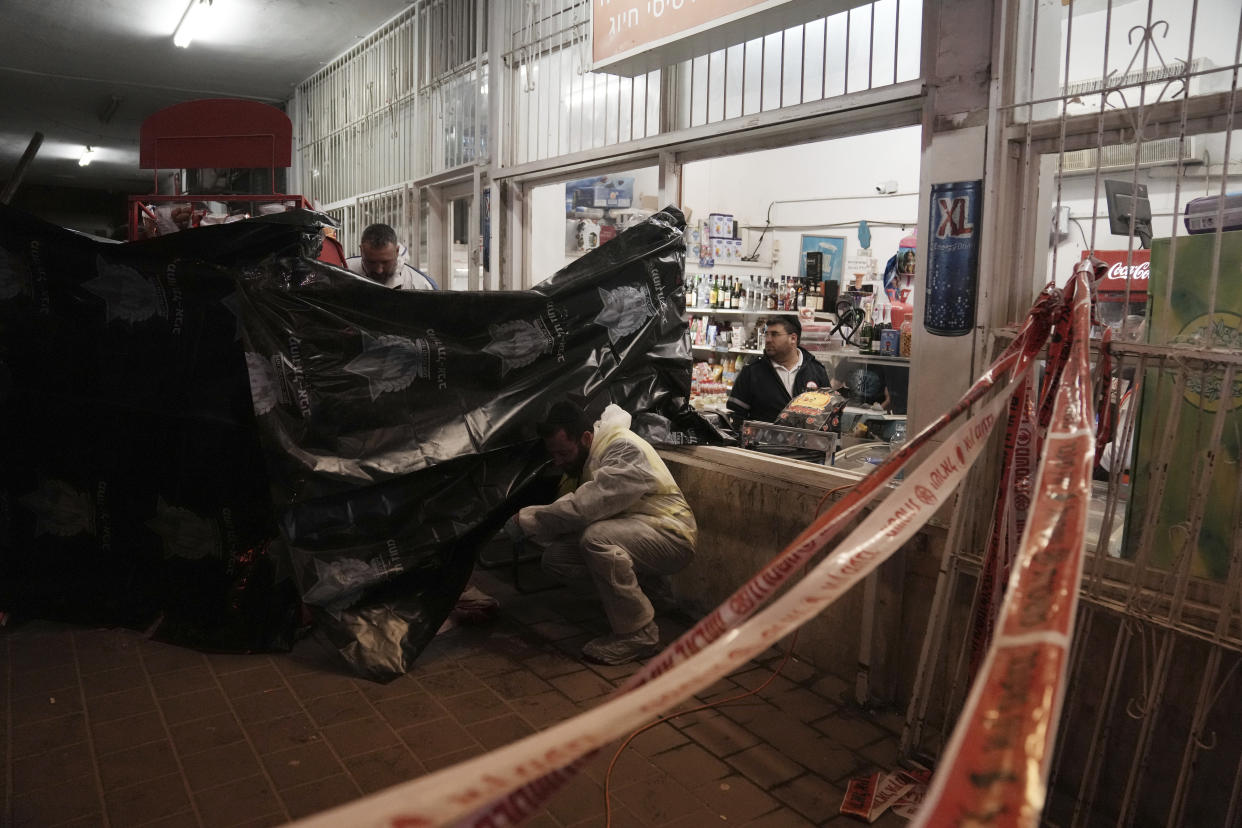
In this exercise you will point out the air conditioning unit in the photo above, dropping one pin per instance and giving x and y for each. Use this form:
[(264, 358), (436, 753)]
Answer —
[(1165, 82), (1155, 153)]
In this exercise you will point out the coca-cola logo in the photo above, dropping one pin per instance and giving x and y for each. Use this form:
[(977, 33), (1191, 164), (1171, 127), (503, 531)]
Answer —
[(1121, 271)]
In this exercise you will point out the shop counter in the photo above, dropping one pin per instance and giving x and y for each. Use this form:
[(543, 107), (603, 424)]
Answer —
[(749, 506)]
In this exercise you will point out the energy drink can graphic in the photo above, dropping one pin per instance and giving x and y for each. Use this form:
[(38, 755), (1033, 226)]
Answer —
[(953, 258)]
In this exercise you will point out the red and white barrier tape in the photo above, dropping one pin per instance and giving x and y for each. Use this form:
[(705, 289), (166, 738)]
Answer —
[(451, 793), (995, 769), (754, 593), (1008, 519)]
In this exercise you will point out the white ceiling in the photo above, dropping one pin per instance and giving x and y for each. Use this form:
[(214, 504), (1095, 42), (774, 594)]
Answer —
[(62, 62)]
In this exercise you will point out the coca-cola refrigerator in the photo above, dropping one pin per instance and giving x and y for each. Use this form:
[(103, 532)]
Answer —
[(1125, 268)]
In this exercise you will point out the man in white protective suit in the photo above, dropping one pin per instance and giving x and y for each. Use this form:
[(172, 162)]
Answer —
[(621, 517)]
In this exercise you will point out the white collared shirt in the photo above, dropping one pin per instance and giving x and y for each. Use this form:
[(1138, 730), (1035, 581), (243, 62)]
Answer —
[(788, 375)]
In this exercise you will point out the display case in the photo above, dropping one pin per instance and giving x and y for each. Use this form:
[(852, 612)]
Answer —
[(798, 443), (246, 146)]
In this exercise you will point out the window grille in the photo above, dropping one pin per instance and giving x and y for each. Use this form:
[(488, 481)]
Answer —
[(559, 107), (1115, 95), (399, 106)]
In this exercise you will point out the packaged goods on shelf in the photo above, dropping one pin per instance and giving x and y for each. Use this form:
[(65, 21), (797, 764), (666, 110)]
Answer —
[(720, 225), (890, 342)]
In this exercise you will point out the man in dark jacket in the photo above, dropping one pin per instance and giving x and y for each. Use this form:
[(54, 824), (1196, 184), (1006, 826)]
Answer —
[(785, 370)]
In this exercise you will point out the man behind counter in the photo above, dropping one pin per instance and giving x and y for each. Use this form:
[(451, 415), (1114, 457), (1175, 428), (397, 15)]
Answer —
[(786, 369)]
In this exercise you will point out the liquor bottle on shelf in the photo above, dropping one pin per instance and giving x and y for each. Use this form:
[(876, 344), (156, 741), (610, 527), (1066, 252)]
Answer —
[(714, 301), (877, 331), (735, 294), (771, 294), (864, 333)]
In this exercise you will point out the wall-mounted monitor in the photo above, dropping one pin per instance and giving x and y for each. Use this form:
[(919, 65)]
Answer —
[(1128, 202)]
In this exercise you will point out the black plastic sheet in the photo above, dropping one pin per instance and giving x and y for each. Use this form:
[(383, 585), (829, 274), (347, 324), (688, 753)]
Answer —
[(138, 382), (400, 425), (132, 485)]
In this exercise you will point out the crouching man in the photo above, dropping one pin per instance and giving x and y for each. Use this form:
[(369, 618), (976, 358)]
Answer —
[(621, 518)]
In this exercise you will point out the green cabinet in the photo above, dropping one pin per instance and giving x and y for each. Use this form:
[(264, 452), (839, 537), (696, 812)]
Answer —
[(1185, 319)]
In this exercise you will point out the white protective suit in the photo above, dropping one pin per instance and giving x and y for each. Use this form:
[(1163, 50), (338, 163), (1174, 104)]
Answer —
[(407, 276), (626, 518)]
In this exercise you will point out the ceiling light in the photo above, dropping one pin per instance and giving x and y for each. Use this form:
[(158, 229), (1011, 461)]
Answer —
[(191, 22), (88, 155)]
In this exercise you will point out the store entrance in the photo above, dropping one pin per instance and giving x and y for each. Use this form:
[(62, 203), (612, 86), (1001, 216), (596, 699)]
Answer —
[(824, 232)]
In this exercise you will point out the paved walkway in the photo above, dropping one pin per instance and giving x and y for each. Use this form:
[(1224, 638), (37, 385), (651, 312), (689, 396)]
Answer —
[(103, 727)]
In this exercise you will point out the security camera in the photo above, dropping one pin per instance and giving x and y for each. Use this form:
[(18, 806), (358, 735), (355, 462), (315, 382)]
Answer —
[(886, 187)]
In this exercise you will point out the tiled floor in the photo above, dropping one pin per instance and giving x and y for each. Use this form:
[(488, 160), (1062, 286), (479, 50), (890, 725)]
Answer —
[(102, 727)]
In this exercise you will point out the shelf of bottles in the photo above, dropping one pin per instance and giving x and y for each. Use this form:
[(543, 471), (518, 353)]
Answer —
[(751, 294)]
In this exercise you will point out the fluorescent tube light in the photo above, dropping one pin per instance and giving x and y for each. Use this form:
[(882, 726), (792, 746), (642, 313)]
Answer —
[(191, 22), (88, 155)]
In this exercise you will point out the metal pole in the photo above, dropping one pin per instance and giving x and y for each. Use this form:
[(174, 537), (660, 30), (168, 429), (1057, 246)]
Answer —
[(1103, 727), (1198, 502), (1149, 715), (19, 172)]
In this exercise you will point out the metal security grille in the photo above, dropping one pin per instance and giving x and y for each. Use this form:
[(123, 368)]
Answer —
[(874, 45), (558, 107), (407, 102), (1119, 116), (392, 207)]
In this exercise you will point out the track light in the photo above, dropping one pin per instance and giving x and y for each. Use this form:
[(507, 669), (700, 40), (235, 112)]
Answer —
[(88, 155), (191, 22)]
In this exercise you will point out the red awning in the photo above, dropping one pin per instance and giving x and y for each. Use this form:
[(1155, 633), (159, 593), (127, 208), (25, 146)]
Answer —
[(216, 132)]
